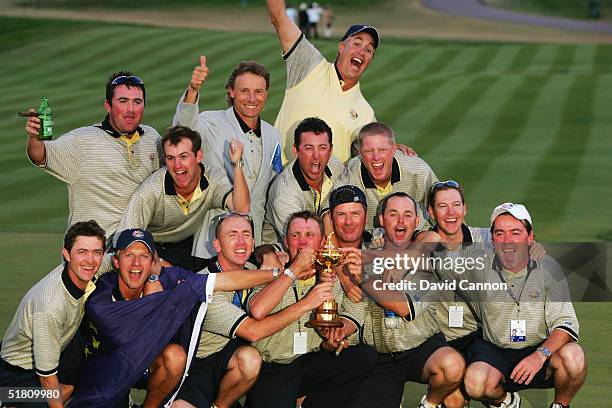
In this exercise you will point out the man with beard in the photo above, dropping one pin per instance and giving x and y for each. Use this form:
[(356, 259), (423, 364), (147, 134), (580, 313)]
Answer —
[(379, 171), (294, 366), (102, 164), (173, 201), (529, 327), (226, 366), (247, 92), (305, 183)]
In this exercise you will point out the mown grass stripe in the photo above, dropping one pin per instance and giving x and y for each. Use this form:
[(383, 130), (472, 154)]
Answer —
[(564, 59), (486, 55), (558, 167), (440, 126), (590, 200), (501, 62), (584, 59), (506, 182), (543, 60), (603, 56), (507, 126), (523, 58)]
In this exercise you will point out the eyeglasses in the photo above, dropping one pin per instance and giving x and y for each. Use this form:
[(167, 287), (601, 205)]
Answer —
[(127, 79), (442, 184)]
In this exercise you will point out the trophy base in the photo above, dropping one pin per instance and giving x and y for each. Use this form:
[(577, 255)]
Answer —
[(323, 323)]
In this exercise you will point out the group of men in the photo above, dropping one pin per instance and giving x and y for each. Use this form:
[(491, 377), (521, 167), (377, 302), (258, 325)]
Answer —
[(227, 203)]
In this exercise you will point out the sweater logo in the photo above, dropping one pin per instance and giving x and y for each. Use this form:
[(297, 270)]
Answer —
[(354, 115)]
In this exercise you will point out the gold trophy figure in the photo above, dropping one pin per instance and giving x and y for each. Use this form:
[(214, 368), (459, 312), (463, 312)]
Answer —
[(326, 315)]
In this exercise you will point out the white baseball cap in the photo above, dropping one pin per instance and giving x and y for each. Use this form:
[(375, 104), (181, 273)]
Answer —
[(518, 211)]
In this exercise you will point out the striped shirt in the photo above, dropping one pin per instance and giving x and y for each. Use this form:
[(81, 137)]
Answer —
[(290, 193), (154, 206), (223, 318), (47, 319), (101, 170), (278, 348), (410, 175), (440, 309), (314, 89), (541, 299)]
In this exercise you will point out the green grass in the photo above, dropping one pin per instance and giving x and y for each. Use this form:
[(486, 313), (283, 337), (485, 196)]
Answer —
[(558, 8), (511, 122)]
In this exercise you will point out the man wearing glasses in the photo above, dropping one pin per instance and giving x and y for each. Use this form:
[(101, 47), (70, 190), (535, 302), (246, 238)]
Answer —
[(226, 366), (379, 171), (173, 201), (102, 164), (247, 92)]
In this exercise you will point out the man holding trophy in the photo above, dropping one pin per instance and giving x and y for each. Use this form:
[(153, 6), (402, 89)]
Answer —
[(294, 366)]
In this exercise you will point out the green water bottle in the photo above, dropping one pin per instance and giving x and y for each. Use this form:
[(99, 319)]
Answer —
[(46, 121)]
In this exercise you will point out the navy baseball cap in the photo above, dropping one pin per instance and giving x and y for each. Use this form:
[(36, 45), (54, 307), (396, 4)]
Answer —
[(347, 194), (129, 236), (359, 28)]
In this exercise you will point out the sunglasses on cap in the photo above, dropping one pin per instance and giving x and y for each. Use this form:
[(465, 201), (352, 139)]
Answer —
[(445, 184), (127, 79)]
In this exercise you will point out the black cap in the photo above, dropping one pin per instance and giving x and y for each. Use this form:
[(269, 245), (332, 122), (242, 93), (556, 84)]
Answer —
[(359, 28), (347, 194), (129, 236)]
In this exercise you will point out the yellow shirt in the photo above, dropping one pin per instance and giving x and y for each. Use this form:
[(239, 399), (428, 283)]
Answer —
[(184, 203)]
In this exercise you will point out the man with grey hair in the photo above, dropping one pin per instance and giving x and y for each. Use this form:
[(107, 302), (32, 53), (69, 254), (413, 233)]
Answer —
[(247, 91), (380, 171)]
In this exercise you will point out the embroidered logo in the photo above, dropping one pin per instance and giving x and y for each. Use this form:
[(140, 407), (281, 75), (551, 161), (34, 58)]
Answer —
[(152, 157), (138, 233), (354, 115)]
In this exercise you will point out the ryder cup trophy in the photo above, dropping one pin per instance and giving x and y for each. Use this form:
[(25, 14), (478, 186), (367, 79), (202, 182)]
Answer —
[(326, 315)]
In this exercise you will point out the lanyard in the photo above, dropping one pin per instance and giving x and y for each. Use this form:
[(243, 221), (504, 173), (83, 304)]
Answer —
[(295, 293), (512, 295)]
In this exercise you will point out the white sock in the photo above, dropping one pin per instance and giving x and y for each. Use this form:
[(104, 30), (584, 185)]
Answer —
[(508, 398), (426, 403)]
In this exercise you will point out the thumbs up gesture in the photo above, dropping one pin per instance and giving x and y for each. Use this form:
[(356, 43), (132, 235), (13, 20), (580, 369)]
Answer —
[(199, 75)]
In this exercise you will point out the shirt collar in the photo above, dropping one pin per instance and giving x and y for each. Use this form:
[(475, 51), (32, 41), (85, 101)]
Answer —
[(108, 128), (467, 237), (245, 128), (117, 295), (367, 180), (340, 79), (169, 188), (73, 289), (299, 176)]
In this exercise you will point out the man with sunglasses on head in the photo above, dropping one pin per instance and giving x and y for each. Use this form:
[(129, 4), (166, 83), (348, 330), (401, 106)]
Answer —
[(380, 171), (247, 92), (102, 164), (173, 201), (457, 317), (226, 366)]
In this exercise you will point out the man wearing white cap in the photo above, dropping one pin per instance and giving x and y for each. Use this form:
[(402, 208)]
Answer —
[(530, 328)]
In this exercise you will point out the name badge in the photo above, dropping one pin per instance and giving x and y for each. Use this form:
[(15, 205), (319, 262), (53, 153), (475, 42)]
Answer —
[(455, 316), (300, 341), (517, 330)]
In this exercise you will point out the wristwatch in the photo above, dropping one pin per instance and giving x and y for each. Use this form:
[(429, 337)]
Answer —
[(290, 274), (545, 351), (153, 278), (275, 273), (239, 163)]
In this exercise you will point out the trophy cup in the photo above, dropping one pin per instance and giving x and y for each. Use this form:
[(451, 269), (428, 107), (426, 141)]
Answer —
[(326, 315)]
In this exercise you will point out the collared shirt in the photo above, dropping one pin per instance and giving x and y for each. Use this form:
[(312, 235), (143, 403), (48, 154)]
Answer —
[(290, 193), (45, 322), (101, 171), (410, 175), (155, 205)]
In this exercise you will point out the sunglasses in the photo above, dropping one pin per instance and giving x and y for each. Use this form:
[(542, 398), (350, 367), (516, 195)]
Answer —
[(445, 184), (229, 214), (127, 79)]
